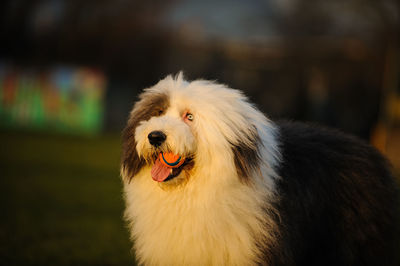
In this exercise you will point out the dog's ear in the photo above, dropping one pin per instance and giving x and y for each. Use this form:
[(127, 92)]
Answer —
[(150, 104), (247, 155), (130, 161)]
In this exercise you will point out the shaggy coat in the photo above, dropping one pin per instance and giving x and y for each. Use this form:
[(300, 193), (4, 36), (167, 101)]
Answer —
[(251, 191)]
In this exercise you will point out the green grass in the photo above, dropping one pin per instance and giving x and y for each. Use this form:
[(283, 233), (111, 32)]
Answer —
[(61, 201)]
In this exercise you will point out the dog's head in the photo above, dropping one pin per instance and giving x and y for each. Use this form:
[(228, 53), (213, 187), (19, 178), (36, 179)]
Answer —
[(201, 122)]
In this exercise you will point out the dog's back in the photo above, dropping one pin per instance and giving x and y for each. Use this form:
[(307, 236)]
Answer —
[(338, 200)]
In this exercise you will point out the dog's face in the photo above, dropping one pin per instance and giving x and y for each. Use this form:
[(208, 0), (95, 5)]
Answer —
[(200, 122), (170, 129)]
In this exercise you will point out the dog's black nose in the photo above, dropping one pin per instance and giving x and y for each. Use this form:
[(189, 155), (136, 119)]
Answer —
[(156, 138)]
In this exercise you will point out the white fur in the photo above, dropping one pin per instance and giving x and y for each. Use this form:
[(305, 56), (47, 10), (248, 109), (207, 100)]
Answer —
[(207, 216)]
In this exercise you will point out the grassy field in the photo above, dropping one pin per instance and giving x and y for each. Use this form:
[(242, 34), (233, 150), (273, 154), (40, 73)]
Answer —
[(61, 201)]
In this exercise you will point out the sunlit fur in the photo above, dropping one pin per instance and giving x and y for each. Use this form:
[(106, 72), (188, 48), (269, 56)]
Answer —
[(208, 215)]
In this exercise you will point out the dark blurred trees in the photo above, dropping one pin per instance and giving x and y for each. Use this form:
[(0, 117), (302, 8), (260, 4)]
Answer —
[(331, 61), (109, 34), (348, 51)]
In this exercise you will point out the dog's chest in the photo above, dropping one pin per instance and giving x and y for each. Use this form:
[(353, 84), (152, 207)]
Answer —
[(189, 229)]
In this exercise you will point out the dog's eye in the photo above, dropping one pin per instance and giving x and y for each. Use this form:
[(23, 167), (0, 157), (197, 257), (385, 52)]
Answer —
[(189, 117), (160, 112)]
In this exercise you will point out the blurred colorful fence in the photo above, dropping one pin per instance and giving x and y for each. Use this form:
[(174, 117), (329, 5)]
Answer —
[(62, 99)]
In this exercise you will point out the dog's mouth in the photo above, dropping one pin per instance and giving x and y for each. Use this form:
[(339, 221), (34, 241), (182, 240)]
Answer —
[(160, 172)]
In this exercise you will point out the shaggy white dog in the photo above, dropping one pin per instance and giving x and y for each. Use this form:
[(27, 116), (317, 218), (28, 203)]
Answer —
[(236, 199)]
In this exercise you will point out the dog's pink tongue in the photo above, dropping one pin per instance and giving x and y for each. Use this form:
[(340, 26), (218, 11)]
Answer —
[(159, 172)]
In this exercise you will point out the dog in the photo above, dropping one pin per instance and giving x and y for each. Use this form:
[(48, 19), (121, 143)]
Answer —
[(250, 191)]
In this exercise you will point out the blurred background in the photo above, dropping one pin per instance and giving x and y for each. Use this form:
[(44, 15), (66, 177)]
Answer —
[(71, 70)]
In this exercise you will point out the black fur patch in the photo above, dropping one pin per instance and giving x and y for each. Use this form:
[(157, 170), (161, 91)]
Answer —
[(338, 202), (247, 158), (149, 105)]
